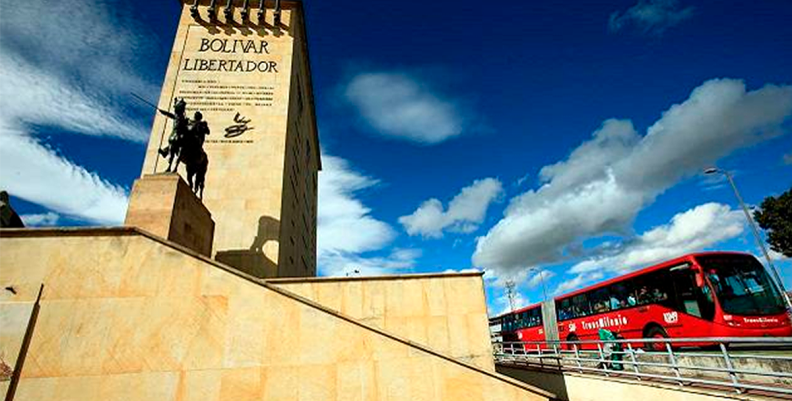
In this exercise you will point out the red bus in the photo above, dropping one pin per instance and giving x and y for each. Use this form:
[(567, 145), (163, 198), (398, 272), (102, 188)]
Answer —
[(523, 324), (708, 294)]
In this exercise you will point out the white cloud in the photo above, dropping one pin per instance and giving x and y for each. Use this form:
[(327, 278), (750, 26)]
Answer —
[(99, 44), (499, 279), (41, 219), (59, 75), (540, 230), (400, 106), (603, 184), (344, 222), (467, 270), (712, 182), (522, 180), (505, 306), (590, 161), (347, 233), (337, 264), (526, 279), (37, 174), (465, 212), (539, 277), (577, 282), (776, 256), (693, 230), (32, 96), (650, 16), (75, 75)]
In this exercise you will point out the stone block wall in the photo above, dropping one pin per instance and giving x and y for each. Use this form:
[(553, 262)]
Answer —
[(125, 316), (446, 312)]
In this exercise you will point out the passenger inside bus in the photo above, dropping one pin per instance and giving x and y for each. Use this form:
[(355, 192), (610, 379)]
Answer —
[(658, 296), (615, 303), (643, 296), (611, 299)]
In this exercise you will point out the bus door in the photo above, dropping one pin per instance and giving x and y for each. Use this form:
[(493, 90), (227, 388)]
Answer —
[(693, 296)]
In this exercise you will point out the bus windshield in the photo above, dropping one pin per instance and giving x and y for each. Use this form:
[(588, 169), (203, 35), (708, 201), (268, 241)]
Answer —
[(742, 285)]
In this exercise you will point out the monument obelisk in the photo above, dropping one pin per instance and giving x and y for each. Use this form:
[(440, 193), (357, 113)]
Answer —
[(244, 65)]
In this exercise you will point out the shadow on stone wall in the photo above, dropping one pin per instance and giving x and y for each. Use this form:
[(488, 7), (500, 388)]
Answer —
[(247, 27), (253, 261)]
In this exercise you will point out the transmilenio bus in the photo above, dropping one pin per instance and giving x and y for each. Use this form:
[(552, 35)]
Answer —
[(710, 294)]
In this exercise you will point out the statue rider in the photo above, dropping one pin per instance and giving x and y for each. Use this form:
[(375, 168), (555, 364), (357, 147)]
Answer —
[(180, 130), (199, 128)]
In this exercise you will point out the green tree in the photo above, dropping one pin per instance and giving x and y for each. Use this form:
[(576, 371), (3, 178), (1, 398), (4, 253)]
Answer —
[(775, 217)]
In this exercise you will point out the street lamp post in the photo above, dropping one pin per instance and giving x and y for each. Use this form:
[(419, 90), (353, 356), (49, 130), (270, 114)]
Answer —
[(752, 224), (544, 286)]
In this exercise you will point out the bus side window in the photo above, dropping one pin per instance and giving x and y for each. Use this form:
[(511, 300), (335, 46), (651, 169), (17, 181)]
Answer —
[(580, 306), (600, 300), (619, 293), (642, 292), (663, 291), (660, 289), (561, 309), (565, 310)]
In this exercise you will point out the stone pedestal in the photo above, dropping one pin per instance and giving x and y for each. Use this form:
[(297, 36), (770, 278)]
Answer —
[(164, 205)]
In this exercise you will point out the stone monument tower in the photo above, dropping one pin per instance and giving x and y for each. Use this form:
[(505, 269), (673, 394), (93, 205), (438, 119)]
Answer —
[(244, 65)]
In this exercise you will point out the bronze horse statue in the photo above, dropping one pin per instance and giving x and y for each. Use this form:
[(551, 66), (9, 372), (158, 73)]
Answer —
[(196, 162), (186, 146)]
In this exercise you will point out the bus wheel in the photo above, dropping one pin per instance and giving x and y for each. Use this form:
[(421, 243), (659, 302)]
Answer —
[(655, 333), (572, 337)]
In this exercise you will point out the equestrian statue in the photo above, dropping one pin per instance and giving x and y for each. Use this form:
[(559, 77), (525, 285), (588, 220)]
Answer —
[(185, 144)]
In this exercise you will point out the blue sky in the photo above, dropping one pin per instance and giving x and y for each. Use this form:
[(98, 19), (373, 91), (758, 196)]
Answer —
[(566, 136)]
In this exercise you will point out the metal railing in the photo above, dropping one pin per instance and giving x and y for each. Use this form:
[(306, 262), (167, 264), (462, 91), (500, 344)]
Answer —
[(757, 365)]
